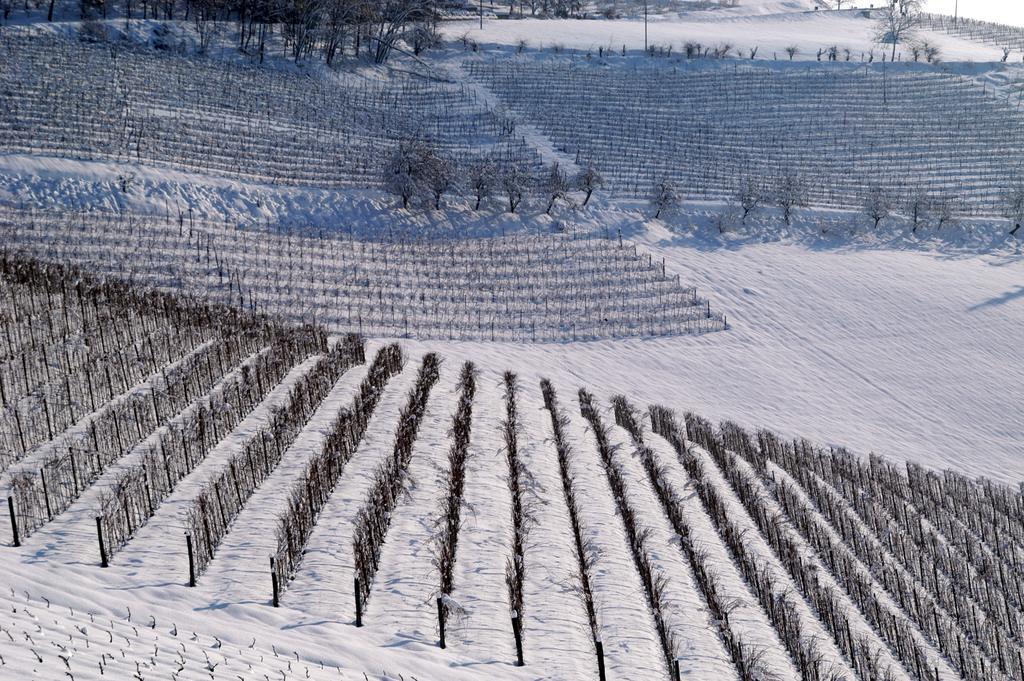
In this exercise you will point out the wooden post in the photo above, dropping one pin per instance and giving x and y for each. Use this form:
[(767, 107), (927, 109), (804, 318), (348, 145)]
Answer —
[(14, 521), (359, 604), (191, 561), (440, 621), (46, 494), (678, 673), (600, 659), (274, 582), (517, 631), (103, 548)]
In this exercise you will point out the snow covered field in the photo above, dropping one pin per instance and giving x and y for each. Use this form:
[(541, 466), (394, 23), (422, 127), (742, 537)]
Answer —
[(657, 545), (770, 33)]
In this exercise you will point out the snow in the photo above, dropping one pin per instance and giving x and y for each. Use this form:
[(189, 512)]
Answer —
[(770, 33), (901, 353), (907, 346)]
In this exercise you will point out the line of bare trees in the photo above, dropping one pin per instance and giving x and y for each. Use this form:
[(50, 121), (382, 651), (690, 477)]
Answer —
[(184, 442), (654, 579), (418, 173), (781, 605), (747, 658), (942, 595), (327, 29), (74, 342), (449, 521), (583, 551), (389, 483), (816, 545), (224, 496), (311, 492), (42, 492), (519, 482)]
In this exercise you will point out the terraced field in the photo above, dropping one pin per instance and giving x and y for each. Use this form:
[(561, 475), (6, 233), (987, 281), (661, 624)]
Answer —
[(524, 288), (714, 128), (435, 501)]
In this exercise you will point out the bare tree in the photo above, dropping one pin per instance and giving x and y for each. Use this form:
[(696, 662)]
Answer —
[(749, 195), (440, 175), (789, 192), (403, 173), (1013, 207), (556, 185), (898, 21), (205, 15), (481, 179), (393, 19), (876, 204), (792, 51), (944, 208), (665, 196), (588, 180), (918, 207), (514, 180)]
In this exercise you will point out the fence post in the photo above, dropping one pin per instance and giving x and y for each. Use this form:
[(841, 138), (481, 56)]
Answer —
[(191, 561), (14, 521), (678, 676), (359, 604), (274, 583), (440, 620), (103, 547), (600, 659), (518, 633), (46, 494)]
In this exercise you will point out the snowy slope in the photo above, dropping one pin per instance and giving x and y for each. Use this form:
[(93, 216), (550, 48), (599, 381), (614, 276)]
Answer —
[(771, 33)]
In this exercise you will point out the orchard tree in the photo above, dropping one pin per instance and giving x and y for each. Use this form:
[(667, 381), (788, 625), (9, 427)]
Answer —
[(514, 182), (789, 192), (556, 185), (749, 196), (876, 204), (1013, 207), (440, 175), (588, 180), (944, 208), (898, 21), (409, 170), (481, 178), (918, 207), (665, 196)]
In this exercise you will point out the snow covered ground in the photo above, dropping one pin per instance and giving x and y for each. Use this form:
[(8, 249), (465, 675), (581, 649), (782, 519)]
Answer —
[(883, 341), (770, 33), (907, 354)]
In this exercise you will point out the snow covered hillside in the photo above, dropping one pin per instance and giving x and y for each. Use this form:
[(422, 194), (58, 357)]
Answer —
[(351, 341), (592, 530)]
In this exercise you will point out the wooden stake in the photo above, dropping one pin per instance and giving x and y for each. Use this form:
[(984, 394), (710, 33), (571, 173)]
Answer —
[(274, 583), (440, 621), (191, 561), (518, 633), (359, 604), (14, 521), (103, 548), (46, 494), (600, 659)]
